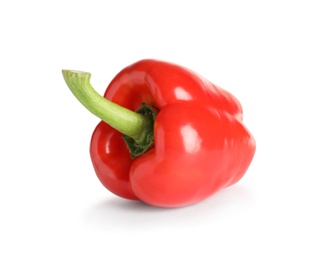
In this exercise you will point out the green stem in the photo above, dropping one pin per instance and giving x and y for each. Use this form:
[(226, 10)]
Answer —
[(128, 122)]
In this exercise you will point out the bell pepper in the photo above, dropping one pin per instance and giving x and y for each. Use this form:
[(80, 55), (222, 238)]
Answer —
[(167, 136)]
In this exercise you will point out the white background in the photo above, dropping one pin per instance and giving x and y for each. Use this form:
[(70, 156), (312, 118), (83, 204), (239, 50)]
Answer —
[(269, 54)]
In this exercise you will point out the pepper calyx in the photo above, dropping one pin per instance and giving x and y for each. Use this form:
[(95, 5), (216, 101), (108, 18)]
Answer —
[(137, 148)]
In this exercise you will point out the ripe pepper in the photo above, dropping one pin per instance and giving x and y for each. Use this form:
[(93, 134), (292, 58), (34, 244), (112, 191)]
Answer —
[(168, 136)]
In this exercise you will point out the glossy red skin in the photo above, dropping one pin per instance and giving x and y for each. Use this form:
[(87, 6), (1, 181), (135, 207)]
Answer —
[(201, 145)]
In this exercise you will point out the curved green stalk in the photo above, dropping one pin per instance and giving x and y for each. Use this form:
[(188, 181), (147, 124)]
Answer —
[(130, 123)]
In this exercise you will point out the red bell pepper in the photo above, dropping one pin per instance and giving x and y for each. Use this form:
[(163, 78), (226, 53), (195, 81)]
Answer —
[(185, 141)]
